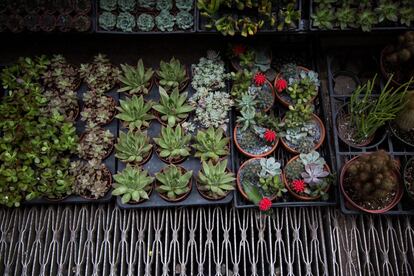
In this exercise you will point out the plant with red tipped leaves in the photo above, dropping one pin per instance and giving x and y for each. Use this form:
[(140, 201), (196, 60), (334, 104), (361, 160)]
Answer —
[(259, 79)]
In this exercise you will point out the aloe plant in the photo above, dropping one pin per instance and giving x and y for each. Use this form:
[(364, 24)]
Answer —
[(173, 143), (135, 112), (214, 180), (173, 108), (132, 184), (173, 182), (172, 74), (135, 80), (211, 144), (133, 146)]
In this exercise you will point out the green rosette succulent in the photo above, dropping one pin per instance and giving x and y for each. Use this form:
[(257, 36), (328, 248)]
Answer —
[(107, 5), (145, 22), (165, 21), (164, 5), (184, 20), (127, 5), (184, 5), (107, 21), (125, 22)]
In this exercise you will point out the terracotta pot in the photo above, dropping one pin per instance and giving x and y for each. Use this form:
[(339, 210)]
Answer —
[(273, 94), (249, 154), (384, 72), (144, 160), (293, 193), (183, 85), (240, 185), (209, 197), (318, 145), (396, 200), (109, 150), (182, 197), (108, 185), (168, 161)]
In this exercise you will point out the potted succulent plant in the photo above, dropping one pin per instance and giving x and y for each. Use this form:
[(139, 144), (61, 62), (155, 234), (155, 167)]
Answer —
[(135, 113), (133, 185), (184, 20), (296, 85), (165, 21), (133, 147), (403, 125), (145, 22), (211, 144), (214, 181), (98, 109), (125, 22), (172, 75), (409, 177), (371, 182), (259, 178), (184, 5), (172, 109), (308, 177), (173, 183), (65, 103), (127, 5), (301, 131), (81, 23), (358, 121), (107, 21), (96, 143), (251, 59), (173, 145), (92, 179), (65, 6), (64, 22), (100, 75), (61, 75), (136, 80), (82, 6)]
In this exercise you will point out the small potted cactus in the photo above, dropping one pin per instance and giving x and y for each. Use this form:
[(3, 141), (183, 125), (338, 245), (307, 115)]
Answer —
[(172, 109), (211, 144), (172, 75), (260, 178), (135, 113), (308, 177), (371, 182), (403, 125), (133, 147), (296, 84), (409, 177), (95, 143), (173, 145), (100, 75), (133, 185), (98, 109), (173, 183), (214, 181), (136, 80), (92, 179)]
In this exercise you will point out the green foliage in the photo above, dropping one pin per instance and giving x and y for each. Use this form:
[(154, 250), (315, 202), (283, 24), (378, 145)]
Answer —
[(298, 115), (241, 82), (173, 181), (173, 108), (208, 8), (247, 119), (366, 20), (164, 5), (173, 143), (133, 184), (165, 21), (91, 178), (184, 20), (211, 144), (214, 180), (387, 10), (290, 16), (125, 21), (346, 17), (108, 5), (270, 177), (323, 19), (135, 80), (145, 22), (133, 147), (61, 75), (172, 74), (227, 25), (135, 112), (247, 102), (127, 5), (98, 109), (184, 5)]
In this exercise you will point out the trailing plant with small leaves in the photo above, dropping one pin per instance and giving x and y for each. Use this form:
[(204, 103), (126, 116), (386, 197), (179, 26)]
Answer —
[(211, 144), (172, 74), (132, 184), (214, 180), (107, 21), (165, 21), (135, 80), (173, 182), (135, 112), (145, 22), (133, 147), (96, 143), (173, 143)]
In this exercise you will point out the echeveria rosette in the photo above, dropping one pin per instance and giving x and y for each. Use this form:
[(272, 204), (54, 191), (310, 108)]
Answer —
[(164, 5), (125, 21), (107, 5), (184, 5), (145, 22), (165, 21), (184, 20), (127, 5)]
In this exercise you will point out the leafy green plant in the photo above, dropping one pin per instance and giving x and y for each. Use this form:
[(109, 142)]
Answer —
[(227, 25), (125, 21), (145, 22), (366, 20), (133, 185), (173, 108), (184, 5), (133, 147), (289, 17), (173, 144), (324, 18), (172, 74), (270, 177), (297, 115), (406, 15), (61, 75), (248, 26), (173, 181), (165, 21), (214, 181), (184, 20), (135, 80), (211, 144), (387, 10), (135, 112), (107, 21), (98, 109), (241, 82), (346, 17), (96, 143)]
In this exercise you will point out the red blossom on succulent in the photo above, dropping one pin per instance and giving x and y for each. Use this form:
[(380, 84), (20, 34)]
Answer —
[(265, 204), (239, 49), (298, 185), (269, 135), (259, 79), (281, 84)]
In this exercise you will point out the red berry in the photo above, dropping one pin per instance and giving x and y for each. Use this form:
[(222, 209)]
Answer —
[(265, 204), (269, 135), (281, 85), (259, 79), (298, 185)]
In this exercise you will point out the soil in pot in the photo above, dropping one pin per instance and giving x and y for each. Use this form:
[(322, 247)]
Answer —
[(409, 177), (180, 198), (345, 83), (405, 136), (346, 131), (265, 97), (89, 155), (250, 144)]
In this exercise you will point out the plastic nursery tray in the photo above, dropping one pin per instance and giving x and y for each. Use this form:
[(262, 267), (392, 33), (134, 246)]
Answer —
[(110, 162), (136, 13), (378, 27), (294, 54), (301, 26), (155, 164), (356, 65)]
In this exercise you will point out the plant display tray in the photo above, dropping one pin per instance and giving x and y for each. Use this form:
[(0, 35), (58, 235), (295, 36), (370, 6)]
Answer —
[(346, 66), (155, 165), (301, 56), (110, 161)]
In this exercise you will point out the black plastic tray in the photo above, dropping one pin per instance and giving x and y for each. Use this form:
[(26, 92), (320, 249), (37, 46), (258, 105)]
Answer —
[(110, 162), (304, 56), (384, 140), (154, 165)]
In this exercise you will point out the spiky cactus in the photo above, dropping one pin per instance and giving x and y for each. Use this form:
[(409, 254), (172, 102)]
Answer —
[(405, 119)]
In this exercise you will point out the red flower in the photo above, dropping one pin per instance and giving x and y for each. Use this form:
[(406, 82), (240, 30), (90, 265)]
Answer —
[(259, 79), (269, 135), (265, 204), (239, 49), (281, 85), (298, 185)]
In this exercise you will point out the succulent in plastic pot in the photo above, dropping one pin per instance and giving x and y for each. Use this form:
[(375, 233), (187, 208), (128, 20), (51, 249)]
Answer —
[(135, 80), (135, 113), (214, 181), (211, 144), (184, 20), (173, 145), (81, 23), (164, 5), (108, 5), (127, 5), (133, 147), (64, 22), (61, 75), (173, 183), (96, 143), (172, 75), (125, 22), (184, 5), (31, 22), (145, 22), (165, 21), (146, 4), (98, 109), (100, 75), (107, 21), (133, 185)]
